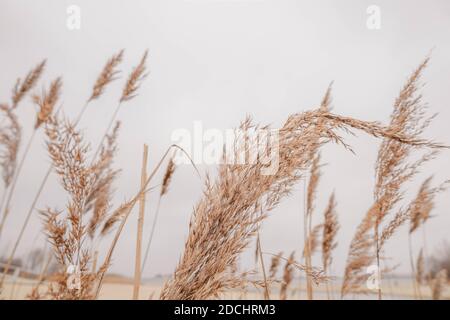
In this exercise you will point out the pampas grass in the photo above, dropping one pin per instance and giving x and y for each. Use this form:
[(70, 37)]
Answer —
[(438, 284), (419, 212), (22, 87), (67, 230), (259, 256), (137, 75), (393, 170), (46, 103), (275, 263), (313, 241), (241, 193), (10, 136), (287, 277), (310, 235), (233, 206), (108, 74), (330, 230)]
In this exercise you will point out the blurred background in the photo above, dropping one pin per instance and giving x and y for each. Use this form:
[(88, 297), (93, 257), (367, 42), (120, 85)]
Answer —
[(216, 62)]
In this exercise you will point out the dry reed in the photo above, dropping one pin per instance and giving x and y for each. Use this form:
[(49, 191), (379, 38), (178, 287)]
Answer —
[(310, 199), (170, 169), (107, 75), (393, 170), (313, 241), (134, 80), (275, 263), (287, 277), (10, 136), (121, 214), (23, 87), (227, 217), (67, 232), (137, 75), (420, 272), (330, 230), (438, 284), (140, 226), (99, 198), (233, 207), (46, 103)]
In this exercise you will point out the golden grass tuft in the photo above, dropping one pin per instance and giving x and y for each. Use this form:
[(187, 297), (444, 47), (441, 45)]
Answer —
[(108, 75), (232, 208), (287, 277), (134, 80), (393, 170), (330, 230), (241, 193), (10, 136), (23, 87), (46, 102)]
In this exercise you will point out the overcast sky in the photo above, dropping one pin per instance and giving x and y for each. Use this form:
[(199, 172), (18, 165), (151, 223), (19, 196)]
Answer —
[(216, 62)]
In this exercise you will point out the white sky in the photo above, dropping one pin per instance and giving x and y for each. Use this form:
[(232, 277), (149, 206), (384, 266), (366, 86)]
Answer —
[(217, 61)]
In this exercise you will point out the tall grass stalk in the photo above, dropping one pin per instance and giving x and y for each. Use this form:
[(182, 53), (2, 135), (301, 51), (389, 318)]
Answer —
[(140, 226)]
